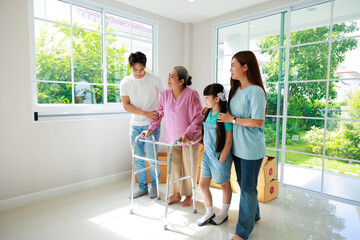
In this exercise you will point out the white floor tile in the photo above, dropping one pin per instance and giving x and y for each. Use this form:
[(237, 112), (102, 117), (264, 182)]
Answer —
[(103, 213), (42, 224)]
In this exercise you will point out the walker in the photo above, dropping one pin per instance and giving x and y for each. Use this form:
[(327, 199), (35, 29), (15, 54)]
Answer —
[(156, 162)]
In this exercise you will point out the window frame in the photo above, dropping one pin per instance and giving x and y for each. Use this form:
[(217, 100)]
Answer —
[(70, 111), (288, 9)]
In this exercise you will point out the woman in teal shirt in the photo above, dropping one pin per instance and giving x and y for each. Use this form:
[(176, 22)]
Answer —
[(248, 105)]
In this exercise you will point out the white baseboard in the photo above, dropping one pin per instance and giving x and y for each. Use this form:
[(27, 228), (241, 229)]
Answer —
[(59, 191)]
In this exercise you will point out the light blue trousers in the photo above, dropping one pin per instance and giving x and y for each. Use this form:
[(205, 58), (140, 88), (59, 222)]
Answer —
[(141, 149)]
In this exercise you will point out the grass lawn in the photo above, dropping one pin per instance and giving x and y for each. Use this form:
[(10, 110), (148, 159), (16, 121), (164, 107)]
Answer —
[(331, 165)]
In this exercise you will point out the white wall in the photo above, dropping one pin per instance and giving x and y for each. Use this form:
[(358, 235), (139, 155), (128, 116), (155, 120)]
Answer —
[(39, 156)]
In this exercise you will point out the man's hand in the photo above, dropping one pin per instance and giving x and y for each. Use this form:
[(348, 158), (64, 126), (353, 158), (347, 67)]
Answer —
[(151, 115)]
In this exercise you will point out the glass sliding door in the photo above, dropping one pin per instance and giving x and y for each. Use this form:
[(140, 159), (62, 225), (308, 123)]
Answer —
[(310, 63)]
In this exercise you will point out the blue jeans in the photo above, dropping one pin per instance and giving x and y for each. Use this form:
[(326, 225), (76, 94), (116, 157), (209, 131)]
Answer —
[(247, 172), (141, 147)]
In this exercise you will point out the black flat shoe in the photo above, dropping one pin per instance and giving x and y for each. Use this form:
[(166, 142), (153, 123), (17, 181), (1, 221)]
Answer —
[(207, 220), (214, 223)]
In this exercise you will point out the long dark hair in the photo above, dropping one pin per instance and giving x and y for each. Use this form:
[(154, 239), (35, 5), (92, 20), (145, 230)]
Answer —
[(213, 90), (253, 72)]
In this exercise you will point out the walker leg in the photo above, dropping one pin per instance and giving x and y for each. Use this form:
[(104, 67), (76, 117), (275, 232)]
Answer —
[(156, 174), (167, 187), (192, 180), (132, 185), (156, 168), (167, 198), (157, 181), (133, 169)]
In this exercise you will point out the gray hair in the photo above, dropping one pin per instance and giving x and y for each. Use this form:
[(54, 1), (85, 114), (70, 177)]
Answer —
[(183, 74)]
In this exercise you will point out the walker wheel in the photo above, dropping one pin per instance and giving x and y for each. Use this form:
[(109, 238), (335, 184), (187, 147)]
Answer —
[(165, 227), (158, 198), (131, 211), (195, 211)]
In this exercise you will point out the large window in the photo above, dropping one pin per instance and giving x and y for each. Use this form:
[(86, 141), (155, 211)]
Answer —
[(80, 55), (308, 57)]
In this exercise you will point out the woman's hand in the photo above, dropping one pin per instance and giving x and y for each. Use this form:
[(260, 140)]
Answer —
[(185, 139), (203, 111), (225, 117), (151, 115), (146, 134), (196, 140)]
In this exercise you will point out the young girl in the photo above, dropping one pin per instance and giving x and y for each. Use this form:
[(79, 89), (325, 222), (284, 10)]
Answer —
[(217, 159)]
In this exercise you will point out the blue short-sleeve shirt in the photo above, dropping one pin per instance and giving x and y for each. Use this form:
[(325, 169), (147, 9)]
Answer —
[(249, 142)]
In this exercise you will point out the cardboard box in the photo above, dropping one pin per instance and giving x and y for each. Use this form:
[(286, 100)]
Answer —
[(268, 170), (268, 191), (162, 156)]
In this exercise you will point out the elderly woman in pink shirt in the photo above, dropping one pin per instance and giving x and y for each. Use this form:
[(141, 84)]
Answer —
[(180, 107)]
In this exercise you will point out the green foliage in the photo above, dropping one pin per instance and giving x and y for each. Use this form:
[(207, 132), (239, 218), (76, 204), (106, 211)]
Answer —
[(339, 143), (344, 140), (53, 63), (53, 58), (87, 49), (352, 129), (304, 108), (309, 62), (272, 98), (270, 131), (307, 99), (354, 103), (352, 135), (54, 93)]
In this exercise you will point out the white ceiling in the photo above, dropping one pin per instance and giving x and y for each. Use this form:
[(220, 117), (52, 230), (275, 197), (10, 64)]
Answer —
[(191, 12)]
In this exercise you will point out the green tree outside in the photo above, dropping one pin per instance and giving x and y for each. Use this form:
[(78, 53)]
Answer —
[(308, 99), (53, 63)]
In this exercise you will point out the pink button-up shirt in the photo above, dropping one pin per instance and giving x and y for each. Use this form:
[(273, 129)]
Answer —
[(181, 115)]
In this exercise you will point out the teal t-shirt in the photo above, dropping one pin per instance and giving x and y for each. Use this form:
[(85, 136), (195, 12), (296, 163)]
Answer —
[(249, 142), (213, 118)]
